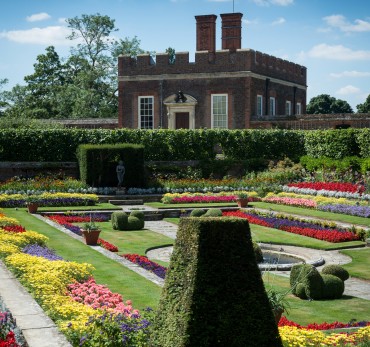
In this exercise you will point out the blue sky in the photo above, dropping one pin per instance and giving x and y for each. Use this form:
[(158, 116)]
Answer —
[(330, 37)]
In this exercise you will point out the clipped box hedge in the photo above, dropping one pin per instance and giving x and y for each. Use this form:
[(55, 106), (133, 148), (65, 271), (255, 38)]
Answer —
[(60, 145), (98, 163), (213, 293)]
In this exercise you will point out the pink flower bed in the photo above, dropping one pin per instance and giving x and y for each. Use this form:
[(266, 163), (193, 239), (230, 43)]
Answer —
[(334, 186), (299, 202), (99, 296), (203, 199)]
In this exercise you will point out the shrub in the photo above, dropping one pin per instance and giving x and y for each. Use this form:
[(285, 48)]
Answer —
[(333, 287), (309, 277), (213, 293), (197, 212), (134, 223), (137, 214), (213, 212), (300, 291), (257, 252), (119, 220), (336, 270)]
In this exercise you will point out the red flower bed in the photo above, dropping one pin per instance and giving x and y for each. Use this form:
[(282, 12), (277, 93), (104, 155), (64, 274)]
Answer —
[(14, 228), (107, 245), (9, 340), (335, 186), (331, 235), (323, 326)]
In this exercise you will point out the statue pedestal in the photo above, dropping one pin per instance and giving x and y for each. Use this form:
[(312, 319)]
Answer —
[(121, 191)]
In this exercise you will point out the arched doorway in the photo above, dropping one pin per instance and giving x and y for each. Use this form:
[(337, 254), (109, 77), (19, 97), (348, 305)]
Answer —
[(180, 112)]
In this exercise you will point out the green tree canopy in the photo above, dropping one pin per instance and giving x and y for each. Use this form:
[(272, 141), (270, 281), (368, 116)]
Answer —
[(326, 104), (365, 107), (83, 85)]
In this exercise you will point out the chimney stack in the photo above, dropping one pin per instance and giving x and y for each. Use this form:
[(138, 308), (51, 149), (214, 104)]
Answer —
[(231, 31), (206, 33)]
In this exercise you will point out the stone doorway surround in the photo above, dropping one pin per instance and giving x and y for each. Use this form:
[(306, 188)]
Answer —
[(174, 107)]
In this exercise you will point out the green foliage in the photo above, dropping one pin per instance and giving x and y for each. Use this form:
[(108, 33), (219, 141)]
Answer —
[(44, 144), (257, 252), (325, 104), (300, 291), (213, 293), (213, 212), (333, 287), (365, 107), (309, 277), (134, 223), (198, 212), (264, 144), (336, 270), (138, 214), (335, 144), (119, 220), (98, 164)]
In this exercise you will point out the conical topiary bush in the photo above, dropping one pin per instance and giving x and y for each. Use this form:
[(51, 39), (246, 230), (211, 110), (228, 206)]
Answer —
[(213, 293)]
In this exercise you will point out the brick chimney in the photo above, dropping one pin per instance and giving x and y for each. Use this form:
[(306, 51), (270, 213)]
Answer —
[(206, 33), (231, 31)]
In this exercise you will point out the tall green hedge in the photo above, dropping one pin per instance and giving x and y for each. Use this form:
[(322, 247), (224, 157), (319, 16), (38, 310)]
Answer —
[(200, 144), (213, 293), (98, 164)]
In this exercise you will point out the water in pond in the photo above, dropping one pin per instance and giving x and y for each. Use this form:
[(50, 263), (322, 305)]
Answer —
[(279, 258)]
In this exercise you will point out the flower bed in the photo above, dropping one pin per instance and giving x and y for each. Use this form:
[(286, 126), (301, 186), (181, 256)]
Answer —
[(297, 227), (360, 211), (190, 198), (67, 291), (10, 335), (332, 186), (67, 220), (49, 199), (147, 264)]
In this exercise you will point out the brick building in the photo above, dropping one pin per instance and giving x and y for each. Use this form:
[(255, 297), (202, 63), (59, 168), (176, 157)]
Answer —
[(228, 88)]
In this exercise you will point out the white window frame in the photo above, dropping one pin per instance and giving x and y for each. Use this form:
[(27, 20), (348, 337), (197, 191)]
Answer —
[(298, 108), (288, 108), (141, 112), (272, 106), (219, 115), (259, 110)]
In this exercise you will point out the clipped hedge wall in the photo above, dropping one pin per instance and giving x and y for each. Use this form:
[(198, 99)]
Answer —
[(60, 145), (98, 164), (213, 293)]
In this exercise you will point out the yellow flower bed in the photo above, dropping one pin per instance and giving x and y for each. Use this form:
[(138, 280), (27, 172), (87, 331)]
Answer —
[(168, 197), (295, 337), (320, 200)]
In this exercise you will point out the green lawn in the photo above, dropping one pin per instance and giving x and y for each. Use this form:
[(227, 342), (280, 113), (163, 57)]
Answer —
[(305, 312), (118, 278), (99, 206), (359, 267), (144, 293), (197, 205)]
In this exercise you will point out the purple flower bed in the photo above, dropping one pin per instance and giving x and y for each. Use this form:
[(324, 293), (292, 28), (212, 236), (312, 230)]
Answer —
[(40, 251), (49, 202), (360, 211), (278, 223)]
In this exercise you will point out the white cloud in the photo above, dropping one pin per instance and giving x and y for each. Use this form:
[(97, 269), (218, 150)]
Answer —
[(279, 21), (337, 52), (273, 2), (350, 74), (52, 35), (339, 21), (347, 90), (38, 17)]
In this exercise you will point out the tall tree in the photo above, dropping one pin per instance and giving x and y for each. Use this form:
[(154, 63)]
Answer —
[(326, 104), (365, 107), (3, 102)]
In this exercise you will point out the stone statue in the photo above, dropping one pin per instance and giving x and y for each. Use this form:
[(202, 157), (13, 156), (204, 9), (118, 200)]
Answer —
[(120, 170)]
